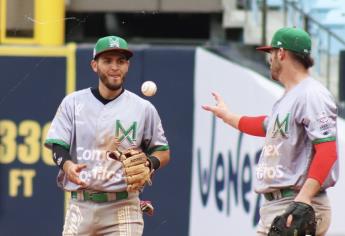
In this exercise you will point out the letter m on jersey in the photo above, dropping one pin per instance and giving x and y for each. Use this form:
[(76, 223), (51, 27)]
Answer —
[(281, 127), (129, 134)]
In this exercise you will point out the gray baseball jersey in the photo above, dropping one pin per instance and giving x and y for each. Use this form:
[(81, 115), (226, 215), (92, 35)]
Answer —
[(304, 116), (85, 126)]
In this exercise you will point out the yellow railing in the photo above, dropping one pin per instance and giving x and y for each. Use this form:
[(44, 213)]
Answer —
[(48, 20)]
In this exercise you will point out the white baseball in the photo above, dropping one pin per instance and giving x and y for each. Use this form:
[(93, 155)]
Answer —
[(149, 88)]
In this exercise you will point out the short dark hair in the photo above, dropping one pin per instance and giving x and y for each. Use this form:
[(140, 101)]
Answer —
[(305, 59)]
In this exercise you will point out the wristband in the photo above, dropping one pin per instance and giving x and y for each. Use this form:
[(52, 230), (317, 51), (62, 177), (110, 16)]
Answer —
[(60, 155), (154, 162)]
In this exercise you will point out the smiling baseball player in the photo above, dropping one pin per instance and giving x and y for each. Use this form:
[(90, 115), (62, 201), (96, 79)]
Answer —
[(107, 141)]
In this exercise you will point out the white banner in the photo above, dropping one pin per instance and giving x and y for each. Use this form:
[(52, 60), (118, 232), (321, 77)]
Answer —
[(223, 201)]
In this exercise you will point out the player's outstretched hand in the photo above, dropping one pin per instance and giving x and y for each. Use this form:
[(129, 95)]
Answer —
[(72, 171), (220, 109)]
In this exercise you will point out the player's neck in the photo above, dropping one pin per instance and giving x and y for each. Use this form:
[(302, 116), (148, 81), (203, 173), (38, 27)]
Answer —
[(107, 93), (290, 78)]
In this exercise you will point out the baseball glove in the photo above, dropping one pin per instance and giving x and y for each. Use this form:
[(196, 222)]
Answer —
[(136, 166), (303, 221)]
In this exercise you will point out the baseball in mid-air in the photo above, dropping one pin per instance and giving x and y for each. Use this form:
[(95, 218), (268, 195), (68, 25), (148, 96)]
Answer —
[(149, 88)]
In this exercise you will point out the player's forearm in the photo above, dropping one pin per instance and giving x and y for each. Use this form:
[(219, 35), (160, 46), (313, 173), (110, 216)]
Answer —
[(163, 157), (232, 119), (324, 158), (309, 189)]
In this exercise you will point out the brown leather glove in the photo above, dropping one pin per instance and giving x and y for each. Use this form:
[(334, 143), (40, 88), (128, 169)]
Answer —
[(136, 167)]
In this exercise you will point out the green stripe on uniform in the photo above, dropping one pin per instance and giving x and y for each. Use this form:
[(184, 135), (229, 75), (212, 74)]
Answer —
[(158, 148), (323, 140), (59, 142)]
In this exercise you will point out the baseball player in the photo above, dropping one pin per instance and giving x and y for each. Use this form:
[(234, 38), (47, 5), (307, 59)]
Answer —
[(107, 142), (299, 159)]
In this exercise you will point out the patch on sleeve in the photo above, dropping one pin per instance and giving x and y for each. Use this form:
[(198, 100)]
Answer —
[(324, 123)]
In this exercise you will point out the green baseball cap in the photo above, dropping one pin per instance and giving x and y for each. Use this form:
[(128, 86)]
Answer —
[(111, 43), (292, 39)]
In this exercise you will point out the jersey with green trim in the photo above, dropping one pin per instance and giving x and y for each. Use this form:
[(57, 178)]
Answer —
[(85, 127), (303, 116)]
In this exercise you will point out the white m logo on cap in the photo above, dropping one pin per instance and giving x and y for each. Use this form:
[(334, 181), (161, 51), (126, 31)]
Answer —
[(114, 43)]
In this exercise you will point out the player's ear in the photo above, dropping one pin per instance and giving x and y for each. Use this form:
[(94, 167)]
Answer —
[(281, 53), (94, 65)]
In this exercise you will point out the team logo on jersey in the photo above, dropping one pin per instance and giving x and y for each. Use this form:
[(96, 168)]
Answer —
[(281, 127), (129, 134)]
